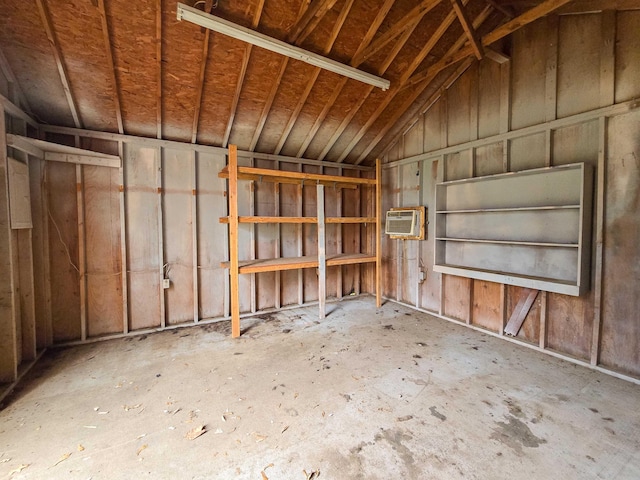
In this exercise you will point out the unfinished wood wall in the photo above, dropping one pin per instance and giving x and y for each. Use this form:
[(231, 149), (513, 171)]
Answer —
[(560, 91), (114, 234)]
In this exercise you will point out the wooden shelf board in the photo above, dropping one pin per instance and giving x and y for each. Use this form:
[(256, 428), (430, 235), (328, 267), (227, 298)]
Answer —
[(298, 220), (509, 242), (529, 281), (295, 220), (280, 176), (293, 263), (512, 209)]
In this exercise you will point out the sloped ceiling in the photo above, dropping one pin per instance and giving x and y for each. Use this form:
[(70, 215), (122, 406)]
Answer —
[(132, 67)]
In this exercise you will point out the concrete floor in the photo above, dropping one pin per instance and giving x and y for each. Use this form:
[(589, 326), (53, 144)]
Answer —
[(388, 394)]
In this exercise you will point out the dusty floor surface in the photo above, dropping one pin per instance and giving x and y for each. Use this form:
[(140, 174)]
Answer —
[(388, 394)]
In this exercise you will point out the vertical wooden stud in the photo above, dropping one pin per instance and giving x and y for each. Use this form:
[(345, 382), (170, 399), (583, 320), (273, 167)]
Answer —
[(160, 165), (599, 259), (233, 240), (505, 97), (123, 242), (194, 236), (544, 311), (8, 336), (278, 246), (322, 252), (339, 238), (82, 252), (503, 307), (299, 233), (252, 242), (548, 147), (378, 233)]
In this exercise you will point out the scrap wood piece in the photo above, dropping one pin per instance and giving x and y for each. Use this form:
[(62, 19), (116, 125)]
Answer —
[(527, 297), (19, 468), (61, 459), (264, 475), (311, 475), (196, 432), (141, 449)]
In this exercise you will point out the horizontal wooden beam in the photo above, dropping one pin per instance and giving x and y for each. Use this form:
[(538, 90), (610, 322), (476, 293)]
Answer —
[(280, 176), (19, 143), (15, 111), (298, 220), (82, 159)]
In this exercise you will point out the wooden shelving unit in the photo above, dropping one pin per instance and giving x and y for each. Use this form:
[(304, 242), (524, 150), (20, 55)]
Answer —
[(236, 267), (529, 228)]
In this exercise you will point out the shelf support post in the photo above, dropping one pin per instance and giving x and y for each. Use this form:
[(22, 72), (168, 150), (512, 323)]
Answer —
[(322, 252), (233, 240), (378, 232)]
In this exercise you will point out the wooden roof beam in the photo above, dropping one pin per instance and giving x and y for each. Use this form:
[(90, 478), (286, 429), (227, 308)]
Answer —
[(418, 59), (111, 64), (57, 53), (506, 29), (475, 43), (410, 20), (373, 28), (243, 70), (314, 76), (317, 9), (417, 91)]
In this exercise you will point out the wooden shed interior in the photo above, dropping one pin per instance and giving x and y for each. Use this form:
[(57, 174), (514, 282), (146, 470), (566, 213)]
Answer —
[(156, 173)]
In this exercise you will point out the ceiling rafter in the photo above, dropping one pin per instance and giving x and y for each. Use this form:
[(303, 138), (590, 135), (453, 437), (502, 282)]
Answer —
[(111, 64), (314, 76), (408, 21), (274, 90), (316, 9), (382, 13), (463, 18), (243, 71), (159, 69), (506, 29), (57, 53), (391, 94), (456, 51), (203, 70)]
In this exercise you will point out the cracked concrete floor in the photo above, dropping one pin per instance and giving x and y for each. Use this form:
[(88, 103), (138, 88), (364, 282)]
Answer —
[(363, 394)]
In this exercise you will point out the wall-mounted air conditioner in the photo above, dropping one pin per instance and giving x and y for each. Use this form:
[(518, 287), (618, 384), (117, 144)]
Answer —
[(406, 223)]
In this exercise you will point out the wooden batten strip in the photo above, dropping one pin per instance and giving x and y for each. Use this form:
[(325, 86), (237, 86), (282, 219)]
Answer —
[(123, 244), (194, 236), (203, 69), (322, 252), (82, 251), (57, 53), (111, 64), (160, 216)]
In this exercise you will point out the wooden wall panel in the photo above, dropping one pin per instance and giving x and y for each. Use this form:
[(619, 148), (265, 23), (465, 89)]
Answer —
[(528, 67), (178, 216), (24, 256), (212, 235), (527, 152), (290, 238), (104, 259), (351, 239), (461, 107), (266, 239), (433, 126), (570, 324), (144, 265), (246, 239), (63, 249), (333, 235), (458, 166), (40, 243), (487, 299), (456, 297), (388, 246), (627, 55), (14, 273), (620, 347), (577, 143), (408, 249), (489, 91), (578, 73), (310, 236), (489, 160), (430, 288)]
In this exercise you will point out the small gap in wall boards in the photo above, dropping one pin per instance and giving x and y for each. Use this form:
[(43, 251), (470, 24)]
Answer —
[(233, 172)]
